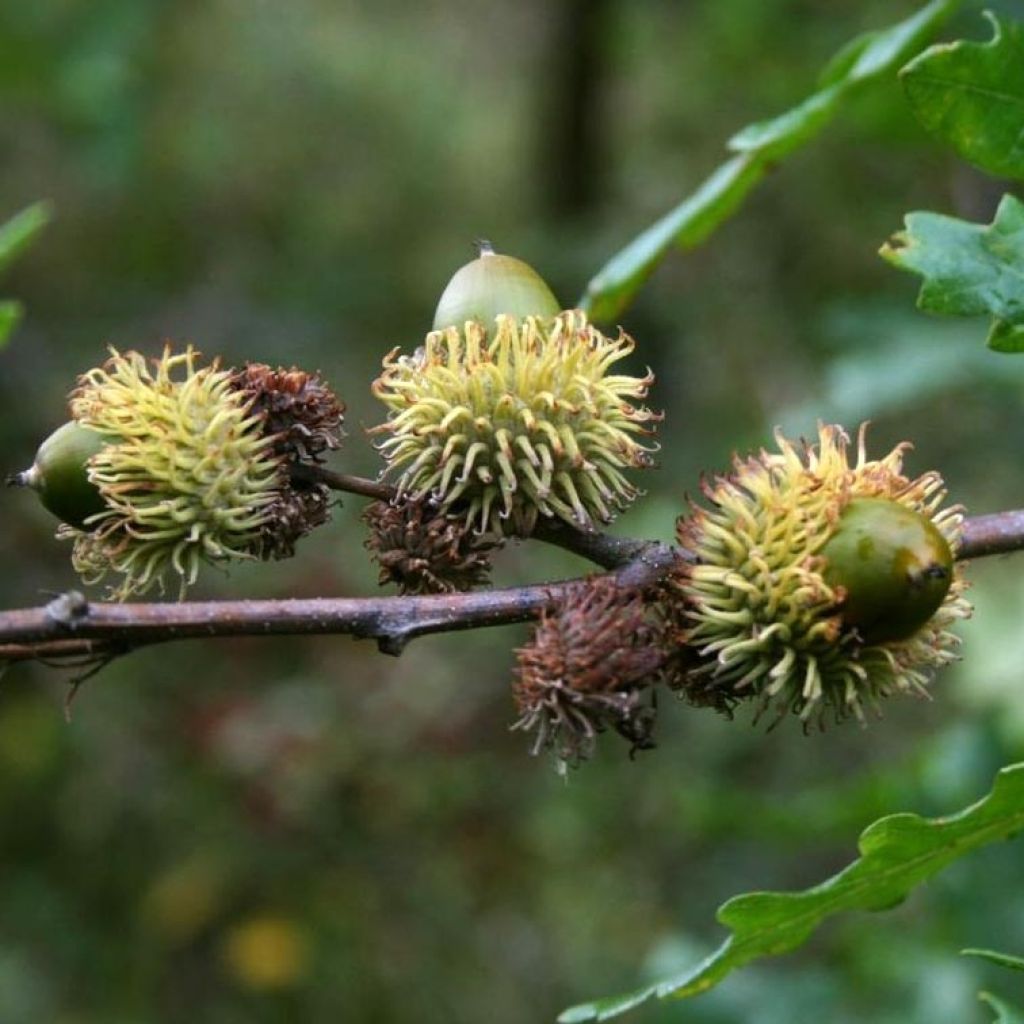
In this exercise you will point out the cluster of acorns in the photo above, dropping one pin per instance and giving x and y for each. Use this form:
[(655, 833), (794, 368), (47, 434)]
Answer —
[(806, 583)]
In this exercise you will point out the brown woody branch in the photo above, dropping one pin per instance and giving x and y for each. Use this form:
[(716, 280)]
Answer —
[(75, 632), (71, 627), (995, 534)]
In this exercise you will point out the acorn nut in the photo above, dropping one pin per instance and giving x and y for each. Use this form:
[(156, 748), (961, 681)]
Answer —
[(821, 580), (893, 565), (490, 285), (60, 476)]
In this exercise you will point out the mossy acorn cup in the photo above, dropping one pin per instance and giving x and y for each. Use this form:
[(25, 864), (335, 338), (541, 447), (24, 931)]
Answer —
[(821, 580), (59, 474), (893, 565)]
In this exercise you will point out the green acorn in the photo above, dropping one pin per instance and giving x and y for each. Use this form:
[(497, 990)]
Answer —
[(490, 285), (59, 474), (816, 586), (894, 567), (169, 463), (511, 413)]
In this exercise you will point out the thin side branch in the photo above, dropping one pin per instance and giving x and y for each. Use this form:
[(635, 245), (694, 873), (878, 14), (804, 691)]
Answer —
[(995, 534), (344, 482), (600, 548)]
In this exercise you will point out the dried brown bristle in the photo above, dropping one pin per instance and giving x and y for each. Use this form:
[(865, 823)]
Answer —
[(425, 551), (298, 408), (593, 663)]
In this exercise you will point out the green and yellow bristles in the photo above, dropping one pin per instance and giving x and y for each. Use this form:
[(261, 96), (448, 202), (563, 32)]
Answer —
[(193, 465), (817, 586), (515, 420)]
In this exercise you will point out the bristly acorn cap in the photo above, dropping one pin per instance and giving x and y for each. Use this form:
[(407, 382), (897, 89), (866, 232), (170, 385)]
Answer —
[(506, 422), (765, 610), (197, 465)]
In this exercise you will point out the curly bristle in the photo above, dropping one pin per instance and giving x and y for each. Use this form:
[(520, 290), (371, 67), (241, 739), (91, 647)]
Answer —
[(187, 476), (198, 465)]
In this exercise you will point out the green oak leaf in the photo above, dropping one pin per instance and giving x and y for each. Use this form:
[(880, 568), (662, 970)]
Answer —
[(1005, 1013), (1015, 963), (971, 95), (897, 853), (968, 269), (759, 146)]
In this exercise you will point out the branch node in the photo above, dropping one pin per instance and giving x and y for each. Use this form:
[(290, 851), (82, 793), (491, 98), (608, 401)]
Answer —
[(68, 609), (393, 644)]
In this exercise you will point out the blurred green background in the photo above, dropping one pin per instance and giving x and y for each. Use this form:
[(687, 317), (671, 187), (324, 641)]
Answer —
[(306, 830)]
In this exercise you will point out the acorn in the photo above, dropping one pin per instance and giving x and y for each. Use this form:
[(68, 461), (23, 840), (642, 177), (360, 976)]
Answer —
[(816, 585), (490, 285), (510, 410), (894, 567), (169, 464), (59, 474)]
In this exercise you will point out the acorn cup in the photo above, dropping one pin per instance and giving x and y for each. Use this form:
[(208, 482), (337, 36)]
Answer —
[(508, 412), (423, 551), (170, 463), (815, 586)]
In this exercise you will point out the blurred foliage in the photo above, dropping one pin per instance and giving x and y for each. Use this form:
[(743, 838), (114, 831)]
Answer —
[(871, 56), (1014, 963), (1005, 1014), (302, 829)]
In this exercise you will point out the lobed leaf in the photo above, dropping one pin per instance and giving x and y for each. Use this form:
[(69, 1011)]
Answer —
[(968, 269), (971, 95), (897, 853), (760, 146)]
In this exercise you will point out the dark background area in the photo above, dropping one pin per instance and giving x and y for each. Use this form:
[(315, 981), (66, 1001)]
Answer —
[(306, 830)]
